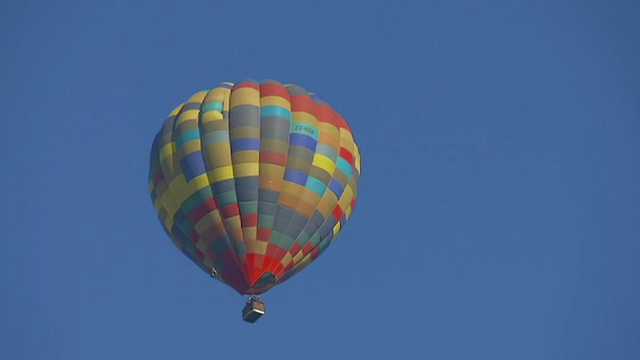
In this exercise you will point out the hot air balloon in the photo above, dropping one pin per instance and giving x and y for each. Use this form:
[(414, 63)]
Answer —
[(253, 181)]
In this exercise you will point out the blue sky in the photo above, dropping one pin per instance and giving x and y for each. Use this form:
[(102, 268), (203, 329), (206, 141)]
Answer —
[(498, 212)]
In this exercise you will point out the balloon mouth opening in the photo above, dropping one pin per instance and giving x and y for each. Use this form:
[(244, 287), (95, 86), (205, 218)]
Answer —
[(266, 279)]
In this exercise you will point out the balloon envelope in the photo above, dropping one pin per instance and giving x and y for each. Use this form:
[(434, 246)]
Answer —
[(252, 181)]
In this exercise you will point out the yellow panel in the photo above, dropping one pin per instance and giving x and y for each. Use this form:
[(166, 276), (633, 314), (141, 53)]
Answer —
[(304, 117), (261, 247), (176, 110), (286, 259), (244, 96), (179, 188), (346, 135), (166, 151), (170, 205), (249, 169), (158, 203), (221, 173), (199, 182), (188, 115), (356, 155), (217, 155), (212, 115), (297, 257), (347, 195), (219, 148), (191, 146), (197, 97), (271, 171), (217, 94), (306, 259), (336, 229), (208, 222), (348, 211), (248, 156), (235, 224), (249, 234), (275, 101), (324, 163)]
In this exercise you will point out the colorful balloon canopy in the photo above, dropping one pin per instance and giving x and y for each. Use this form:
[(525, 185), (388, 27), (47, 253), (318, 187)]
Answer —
[(252, 181)]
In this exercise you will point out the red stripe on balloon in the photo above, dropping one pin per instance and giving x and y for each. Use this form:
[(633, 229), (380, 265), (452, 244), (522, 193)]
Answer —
[(273, 89)]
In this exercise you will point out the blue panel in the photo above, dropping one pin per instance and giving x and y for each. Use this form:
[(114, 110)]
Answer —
[(245, 144), (316, 185), (344, 166), (211, 106), (295, 176), (274, 110), (336, 187), (303, 140), (193, 165), (187, 136)]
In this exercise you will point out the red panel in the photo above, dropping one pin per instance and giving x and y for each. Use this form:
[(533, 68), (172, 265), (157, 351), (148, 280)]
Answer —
[(315, 253), (347, 155), (158, 177), (343, 123), (249, 84), (276, 251), (254, 263), (303, 103), (232, 272), (201, 210), (307, 247), (230, 210), (295, 248), (328, 115), (263, 234), (273, 157), (249, 220), (337, 212), (274, 89)]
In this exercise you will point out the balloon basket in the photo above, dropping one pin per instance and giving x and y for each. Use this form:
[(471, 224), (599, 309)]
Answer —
[(253, 309)]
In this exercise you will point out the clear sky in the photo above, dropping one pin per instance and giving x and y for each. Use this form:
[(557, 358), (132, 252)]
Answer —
[(498, 213)]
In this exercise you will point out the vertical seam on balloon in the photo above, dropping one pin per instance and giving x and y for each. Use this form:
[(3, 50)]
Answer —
[(306, 260), (229, 240), (315, 107), (204, 155), (168, 176), (244, 240), (235, 186), (279, 191), (268, 263), (255, 238), (173, 159), (177, 157)]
